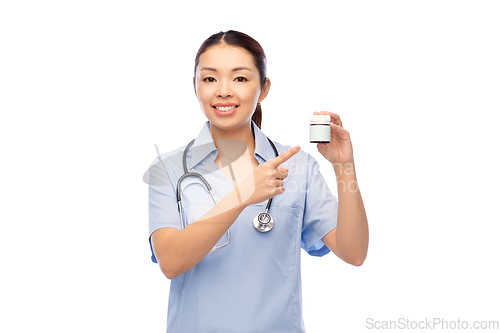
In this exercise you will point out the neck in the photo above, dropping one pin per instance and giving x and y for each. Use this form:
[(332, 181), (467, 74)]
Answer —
[(242, 133)]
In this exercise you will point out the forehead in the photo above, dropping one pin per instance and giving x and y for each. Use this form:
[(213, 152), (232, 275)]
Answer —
[(226, 56)]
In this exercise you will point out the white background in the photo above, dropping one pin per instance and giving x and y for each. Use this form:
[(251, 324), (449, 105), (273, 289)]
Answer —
[(87, 88)]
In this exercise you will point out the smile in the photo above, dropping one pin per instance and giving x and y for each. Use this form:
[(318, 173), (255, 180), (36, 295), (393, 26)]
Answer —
[(225, 108)]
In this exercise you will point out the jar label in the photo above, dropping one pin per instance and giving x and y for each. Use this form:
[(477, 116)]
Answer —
[(319, 133)]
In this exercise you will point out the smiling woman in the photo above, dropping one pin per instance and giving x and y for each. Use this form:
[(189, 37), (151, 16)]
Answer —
[(244, 45), (250, 280), (228, 86)]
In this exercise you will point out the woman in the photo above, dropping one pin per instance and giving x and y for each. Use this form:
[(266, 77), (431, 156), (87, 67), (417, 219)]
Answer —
[(251, 283)]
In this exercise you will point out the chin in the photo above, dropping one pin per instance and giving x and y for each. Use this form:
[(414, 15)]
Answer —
[(228, 123)]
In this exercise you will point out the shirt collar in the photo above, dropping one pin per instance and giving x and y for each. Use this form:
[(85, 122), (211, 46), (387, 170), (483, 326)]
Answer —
[(263, 147), (204, 145)]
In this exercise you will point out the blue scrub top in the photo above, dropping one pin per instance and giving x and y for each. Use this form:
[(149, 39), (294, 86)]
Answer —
[(253, 284)]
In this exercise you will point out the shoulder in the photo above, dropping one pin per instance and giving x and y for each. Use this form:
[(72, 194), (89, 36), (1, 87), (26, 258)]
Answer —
[(164, 168), (174, 156)]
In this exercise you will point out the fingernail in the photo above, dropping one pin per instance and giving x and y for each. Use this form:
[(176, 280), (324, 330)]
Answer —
[(297, 148)]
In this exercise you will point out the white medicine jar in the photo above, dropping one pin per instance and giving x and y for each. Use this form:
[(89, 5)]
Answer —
[(319, 129)]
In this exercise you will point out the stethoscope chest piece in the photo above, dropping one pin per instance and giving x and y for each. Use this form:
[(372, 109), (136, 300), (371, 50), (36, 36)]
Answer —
[(263, 222)]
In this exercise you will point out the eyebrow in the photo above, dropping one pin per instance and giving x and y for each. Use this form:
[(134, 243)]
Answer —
[(234, 69)]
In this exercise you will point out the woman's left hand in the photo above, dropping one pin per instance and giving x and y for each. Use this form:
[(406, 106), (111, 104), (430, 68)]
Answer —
[(339, 149)]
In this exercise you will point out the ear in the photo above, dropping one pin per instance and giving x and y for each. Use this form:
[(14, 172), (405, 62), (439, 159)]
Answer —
[(194, 86), (265, 90)]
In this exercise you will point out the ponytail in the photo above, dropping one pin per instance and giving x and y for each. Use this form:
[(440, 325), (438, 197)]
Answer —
[(257, 116)]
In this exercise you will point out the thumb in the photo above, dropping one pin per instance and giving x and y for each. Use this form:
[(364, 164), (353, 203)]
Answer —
[(321, 148)]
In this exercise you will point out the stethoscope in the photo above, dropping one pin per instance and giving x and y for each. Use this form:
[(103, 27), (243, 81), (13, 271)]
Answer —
[(263, 222)]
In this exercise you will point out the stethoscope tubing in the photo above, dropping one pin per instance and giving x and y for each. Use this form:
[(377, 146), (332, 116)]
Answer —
[(209, 189)]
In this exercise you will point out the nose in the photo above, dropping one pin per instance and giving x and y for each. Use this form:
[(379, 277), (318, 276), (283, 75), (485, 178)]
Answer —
[(224, 90)]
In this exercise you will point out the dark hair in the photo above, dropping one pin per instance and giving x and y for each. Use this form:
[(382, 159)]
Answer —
[(236, 38)]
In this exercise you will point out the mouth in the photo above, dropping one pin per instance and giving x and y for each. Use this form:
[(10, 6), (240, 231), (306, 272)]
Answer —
[(225, 108)]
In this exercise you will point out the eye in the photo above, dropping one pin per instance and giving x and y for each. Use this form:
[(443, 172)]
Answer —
[(240, 79), (209, 79)]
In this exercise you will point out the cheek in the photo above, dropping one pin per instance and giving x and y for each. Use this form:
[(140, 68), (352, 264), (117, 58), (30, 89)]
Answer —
[(202, 107), (204, 97), (251, 94), (202, 93)]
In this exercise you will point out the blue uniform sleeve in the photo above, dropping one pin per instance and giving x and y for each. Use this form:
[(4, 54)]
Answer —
[(320, 211), (163, 211)]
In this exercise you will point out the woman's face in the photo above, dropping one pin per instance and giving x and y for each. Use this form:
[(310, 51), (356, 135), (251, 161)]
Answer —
[(227, 85)]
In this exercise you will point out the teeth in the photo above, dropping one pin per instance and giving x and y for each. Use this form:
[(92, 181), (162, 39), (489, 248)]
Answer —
[(225, 108)]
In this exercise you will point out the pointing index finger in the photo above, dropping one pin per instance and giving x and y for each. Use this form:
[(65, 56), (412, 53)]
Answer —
[(284, 157)]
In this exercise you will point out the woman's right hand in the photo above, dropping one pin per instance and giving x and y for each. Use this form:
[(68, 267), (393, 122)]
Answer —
[(267, 179)]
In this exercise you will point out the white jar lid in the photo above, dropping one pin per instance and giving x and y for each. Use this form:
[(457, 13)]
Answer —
[(320, 119)]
